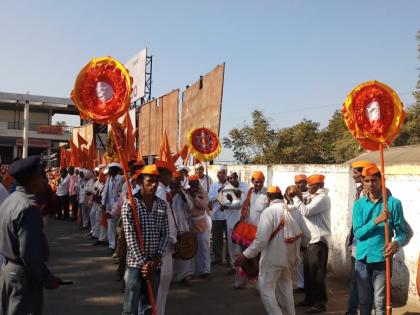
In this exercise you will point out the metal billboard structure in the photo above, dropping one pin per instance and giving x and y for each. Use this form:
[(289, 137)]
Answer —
[(202, 103), (136, 66), (156, 116)]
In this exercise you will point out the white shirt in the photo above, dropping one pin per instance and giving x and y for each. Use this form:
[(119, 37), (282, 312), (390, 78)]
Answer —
[(203, 183), (110, 194), (63, 187), (161, 192), (273, 253), (217, 214), (257, 205), (180, 208), (316, 209)]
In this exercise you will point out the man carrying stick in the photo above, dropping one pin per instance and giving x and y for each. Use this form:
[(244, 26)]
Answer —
[(144, 264), (369, 230)]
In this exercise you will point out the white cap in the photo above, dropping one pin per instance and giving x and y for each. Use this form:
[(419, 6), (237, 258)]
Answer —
[(183, 167), (114, 164), (198, 165), (222, 168)]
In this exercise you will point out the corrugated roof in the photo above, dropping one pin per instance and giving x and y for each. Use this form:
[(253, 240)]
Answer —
[(409, 154), (35, 98)]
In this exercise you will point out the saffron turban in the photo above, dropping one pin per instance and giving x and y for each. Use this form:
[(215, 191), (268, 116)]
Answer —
[(150, 170), (316, 179), (300, 177), (370, 170), (361, 164), (274, 189), (258, 175), (193, 178)]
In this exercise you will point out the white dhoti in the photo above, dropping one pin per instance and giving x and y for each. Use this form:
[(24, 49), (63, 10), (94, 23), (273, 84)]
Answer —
[(202, 260), (181, 269), (94, 219), (166, 272), (112, 232), (276, 291)]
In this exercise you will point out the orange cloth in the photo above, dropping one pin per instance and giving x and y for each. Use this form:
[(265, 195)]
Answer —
[(274, 189), (193, 178), (315, 179), (300, 177), (258, 175), (370, 170), (361, 164), (150, 170), (165, 157)]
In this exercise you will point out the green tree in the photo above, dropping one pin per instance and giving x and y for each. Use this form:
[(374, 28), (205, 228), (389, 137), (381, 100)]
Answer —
[(61, 123), (252, 143), (410, 131), (338, 143)]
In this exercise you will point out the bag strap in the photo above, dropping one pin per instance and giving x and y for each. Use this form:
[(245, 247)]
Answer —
[(172, 211), (245, 206), (277, 230)]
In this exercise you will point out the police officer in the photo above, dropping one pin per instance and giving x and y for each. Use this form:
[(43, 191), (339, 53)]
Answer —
[(23, 243)]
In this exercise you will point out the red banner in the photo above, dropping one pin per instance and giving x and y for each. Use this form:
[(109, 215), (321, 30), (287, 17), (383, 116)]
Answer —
[(49, 129)]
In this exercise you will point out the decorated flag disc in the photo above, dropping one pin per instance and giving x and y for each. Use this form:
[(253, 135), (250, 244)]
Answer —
[(204, 144), (102, 90), (374, 114)]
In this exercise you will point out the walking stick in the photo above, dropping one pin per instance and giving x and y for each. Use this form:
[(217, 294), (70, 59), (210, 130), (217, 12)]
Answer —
[(123, 159), (385, 208)]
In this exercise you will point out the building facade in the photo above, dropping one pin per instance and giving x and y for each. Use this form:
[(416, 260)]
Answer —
[(43, 137)]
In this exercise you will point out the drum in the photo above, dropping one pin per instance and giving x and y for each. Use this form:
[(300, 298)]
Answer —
[(243, 234)]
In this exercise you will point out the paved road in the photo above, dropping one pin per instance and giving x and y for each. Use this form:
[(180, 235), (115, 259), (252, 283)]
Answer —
[(95, 290)]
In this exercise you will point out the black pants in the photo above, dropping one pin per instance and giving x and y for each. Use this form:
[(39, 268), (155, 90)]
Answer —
[(64, 206), (219, 228), (74, 205), (315, 271), (19, 293)]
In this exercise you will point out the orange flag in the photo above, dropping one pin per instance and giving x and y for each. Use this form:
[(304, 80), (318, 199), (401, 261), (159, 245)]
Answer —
[(183, 153), (130, 139), (75, 154), (165, 156), (63, 162)]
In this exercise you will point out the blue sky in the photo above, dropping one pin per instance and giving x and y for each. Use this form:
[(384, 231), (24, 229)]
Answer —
[(292, 59)]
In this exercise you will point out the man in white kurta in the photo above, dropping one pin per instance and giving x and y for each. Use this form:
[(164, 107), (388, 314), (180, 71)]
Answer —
[(255, 203), (164, 192), (274, 275), (180, 209), (110, 195)]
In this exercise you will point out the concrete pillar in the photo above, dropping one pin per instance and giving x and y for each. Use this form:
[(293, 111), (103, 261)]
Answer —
[(25, 130)]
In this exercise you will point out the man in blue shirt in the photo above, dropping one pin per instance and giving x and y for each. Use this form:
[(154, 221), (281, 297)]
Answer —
[(369, 230)]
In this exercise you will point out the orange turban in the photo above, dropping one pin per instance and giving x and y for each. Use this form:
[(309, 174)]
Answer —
[(150, 170), (371, 170), (300, 177), (361, 164), (316, 179), (274, 189), (258, 175), (193, 178)]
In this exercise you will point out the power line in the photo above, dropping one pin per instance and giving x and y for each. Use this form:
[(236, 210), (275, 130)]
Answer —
[(298, 110)]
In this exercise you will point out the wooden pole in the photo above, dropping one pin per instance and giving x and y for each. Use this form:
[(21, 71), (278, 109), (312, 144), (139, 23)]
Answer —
[(207, 178), (388, 258), (123, 159)]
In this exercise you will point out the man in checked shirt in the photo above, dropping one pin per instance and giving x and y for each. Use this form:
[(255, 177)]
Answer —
[(144, 263)]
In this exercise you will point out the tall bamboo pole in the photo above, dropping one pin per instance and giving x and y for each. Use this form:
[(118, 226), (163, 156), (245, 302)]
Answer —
[(388, 258)]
